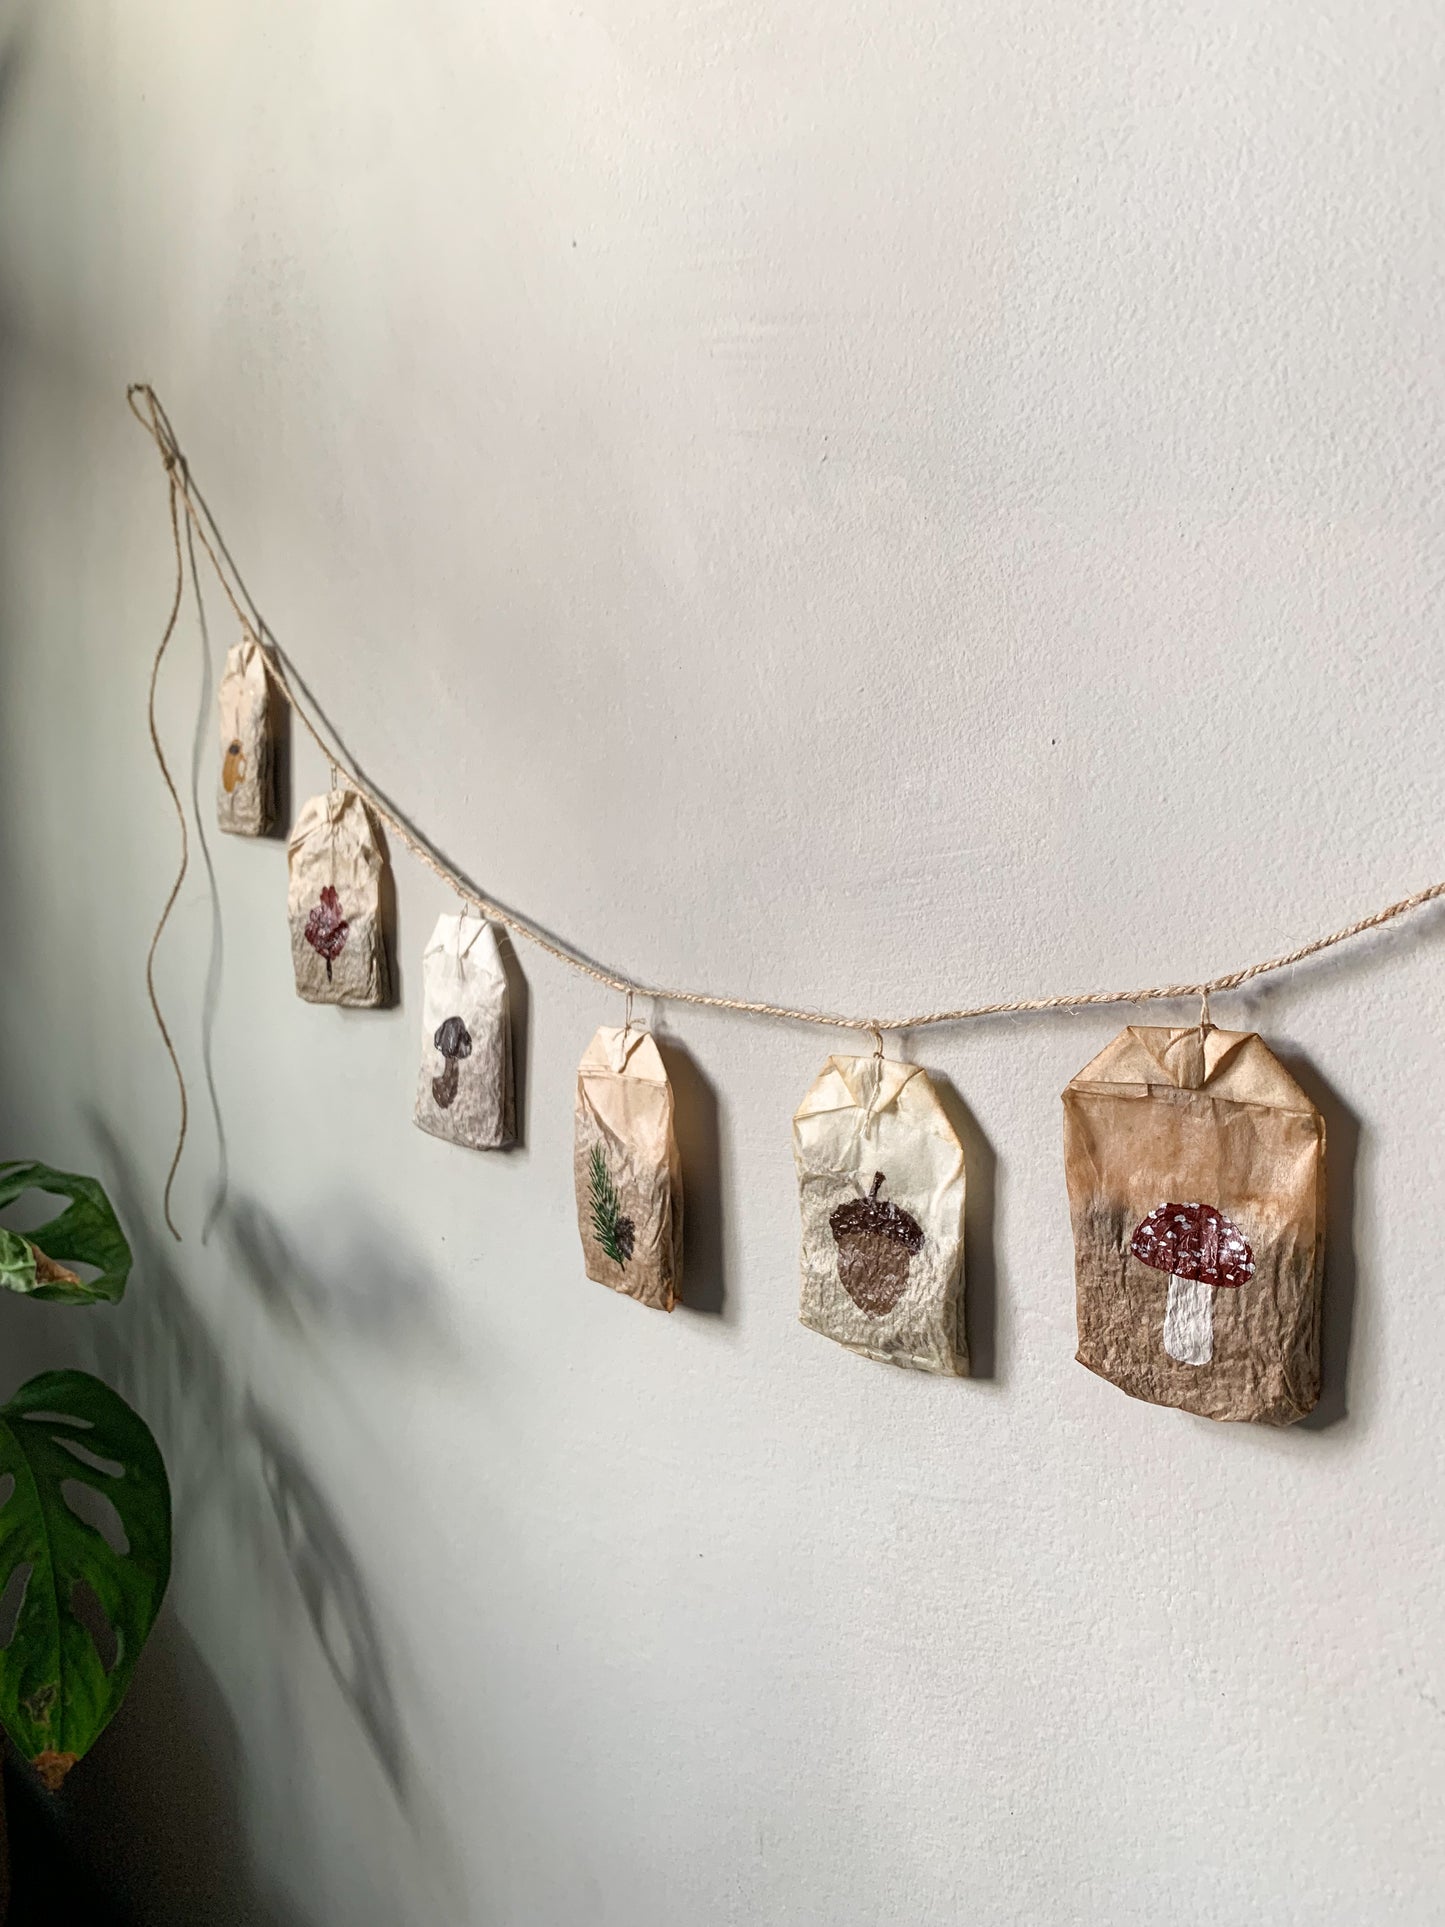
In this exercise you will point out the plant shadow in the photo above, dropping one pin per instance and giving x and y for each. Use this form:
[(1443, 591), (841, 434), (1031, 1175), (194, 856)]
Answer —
[(333, 1592), (368, 1287), (224, 1451), (172, 1750)]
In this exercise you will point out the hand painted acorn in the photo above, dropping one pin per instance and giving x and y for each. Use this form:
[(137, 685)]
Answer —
[(876, 1244)]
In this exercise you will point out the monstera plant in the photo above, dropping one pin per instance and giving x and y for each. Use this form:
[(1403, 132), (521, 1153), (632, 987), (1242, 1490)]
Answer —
[(85, 1509)]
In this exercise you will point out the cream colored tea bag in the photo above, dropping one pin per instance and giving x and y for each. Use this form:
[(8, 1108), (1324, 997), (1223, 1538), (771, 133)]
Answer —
[(245, 792), (334, 902), (881, 1186), (1196, 1175), (627, 1170), (464, 1091)]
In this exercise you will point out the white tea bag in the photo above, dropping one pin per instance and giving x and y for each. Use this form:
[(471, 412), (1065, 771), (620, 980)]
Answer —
[(881, 1187), (627, 1169), (334, 902), (245, 791), (464, 1092)]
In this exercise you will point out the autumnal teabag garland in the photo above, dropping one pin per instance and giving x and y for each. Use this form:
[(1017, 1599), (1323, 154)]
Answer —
[(875, 1253)]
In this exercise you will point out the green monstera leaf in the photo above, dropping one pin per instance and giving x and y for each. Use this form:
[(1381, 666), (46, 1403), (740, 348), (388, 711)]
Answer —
[(86, 1232), (85, 1553)]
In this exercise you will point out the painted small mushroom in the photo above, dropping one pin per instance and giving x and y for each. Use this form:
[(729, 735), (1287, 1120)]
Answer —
[(876, 1244), (1202, 1251), (454, 1041)]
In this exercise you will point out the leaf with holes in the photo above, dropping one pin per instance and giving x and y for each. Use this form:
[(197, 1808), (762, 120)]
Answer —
[(85, 1552), (86, 1232)]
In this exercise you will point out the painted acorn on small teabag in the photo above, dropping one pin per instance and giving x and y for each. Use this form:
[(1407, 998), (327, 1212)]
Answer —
[(877, 1242)]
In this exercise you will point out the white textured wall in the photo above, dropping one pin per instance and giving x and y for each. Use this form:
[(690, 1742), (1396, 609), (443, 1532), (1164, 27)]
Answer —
[(868, 505)]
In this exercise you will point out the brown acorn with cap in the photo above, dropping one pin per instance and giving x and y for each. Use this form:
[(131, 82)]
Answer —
[(1201, 1250), (877, 1242)]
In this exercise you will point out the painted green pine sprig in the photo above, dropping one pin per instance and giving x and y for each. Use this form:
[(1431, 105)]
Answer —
[(613, 1231)]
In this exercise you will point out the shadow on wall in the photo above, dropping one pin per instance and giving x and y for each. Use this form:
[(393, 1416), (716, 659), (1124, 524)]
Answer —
[(1342, 1145), (176, 1720), (369, 1287), (695, 1122), (980, 1264), (519, 1007), (234, 1473), (334, 1594)]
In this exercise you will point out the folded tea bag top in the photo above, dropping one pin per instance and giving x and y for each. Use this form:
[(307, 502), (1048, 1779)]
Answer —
[(881, 1189), (334, 902), (1196, 1176), (245, 789), (627, 1170), (464, 1091)]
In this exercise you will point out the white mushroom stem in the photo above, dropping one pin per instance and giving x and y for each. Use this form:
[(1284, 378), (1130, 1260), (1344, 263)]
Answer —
[(1189, 1321)]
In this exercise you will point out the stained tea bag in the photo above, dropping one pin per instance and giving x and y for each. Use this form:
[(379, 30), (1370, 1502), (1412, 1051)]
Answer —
[(1196, 1175), (334, 902), (245, 792), (627, 1170), (881, 1187), (464, 1091)]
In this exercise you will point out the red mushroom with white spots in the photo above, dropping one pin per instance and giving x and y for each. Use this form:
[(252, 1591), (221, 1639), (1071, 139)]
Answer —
[(1201, 1250)]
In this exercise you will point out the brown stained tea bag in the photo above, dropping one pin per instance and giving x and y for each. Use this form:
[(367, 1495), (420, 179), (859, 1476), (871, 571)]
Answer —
[(245, 791), (627, 1170), (464, 1092), (881, 1186), (1196, 1175), (334, 902)]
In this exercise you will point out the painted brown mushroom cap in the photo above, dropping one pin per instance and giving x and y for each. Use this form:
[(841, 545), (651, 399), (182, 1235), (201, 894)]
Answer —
[(453, 1039), (1194, 1241), (861, 1215)]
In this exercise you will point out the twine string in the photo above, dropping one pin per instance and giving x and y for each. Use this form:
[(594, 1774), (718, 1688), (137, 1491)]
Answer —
[(157, 426), (176, 483)]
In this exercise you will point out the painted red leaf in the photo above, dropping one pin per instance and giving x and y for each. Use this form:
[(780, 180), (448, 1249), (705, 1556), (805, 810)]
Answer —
[(326, 928)]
